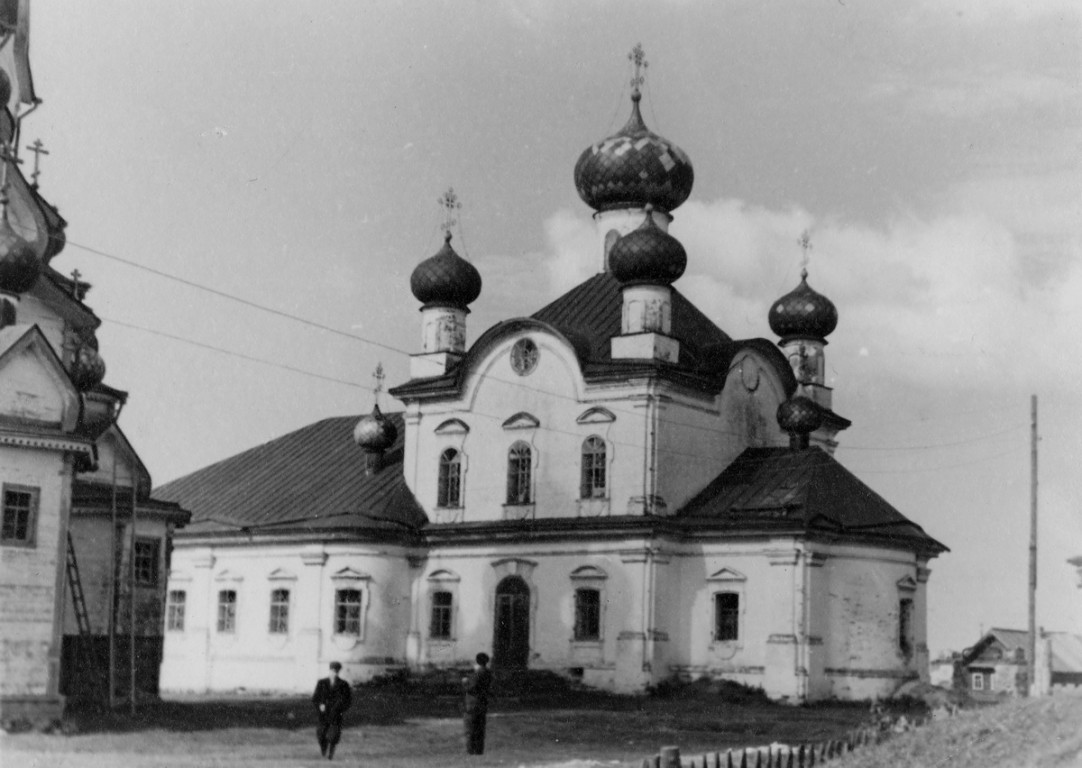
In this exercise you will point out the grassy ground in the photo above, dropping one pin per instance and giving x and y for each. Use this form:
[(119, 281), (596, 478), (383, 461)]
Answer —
[(390, 730)]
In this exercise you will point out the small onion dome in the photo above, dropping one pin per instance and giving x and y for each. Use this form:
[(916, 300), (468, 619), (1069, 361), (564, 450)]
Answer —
[(20, 266), (375, 433), (5, 87), (88, 368), (446, 279), (799, 416), (632, 168), (803, 313), (647, 255)]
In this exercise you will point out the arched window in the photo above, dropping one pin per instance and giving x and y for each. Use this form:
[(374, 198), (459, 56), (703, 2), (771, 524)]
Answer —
[(449, 492), (518, 474), (592, 485)]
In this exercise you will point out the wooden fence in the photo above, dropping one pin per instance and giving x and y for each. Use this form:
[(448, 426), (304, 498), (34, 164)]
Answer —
[(781, 755)]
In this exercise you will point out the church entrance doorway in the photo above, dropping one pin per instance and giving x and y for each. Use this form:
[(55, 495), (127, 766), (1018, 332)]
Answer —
[(511, 645)]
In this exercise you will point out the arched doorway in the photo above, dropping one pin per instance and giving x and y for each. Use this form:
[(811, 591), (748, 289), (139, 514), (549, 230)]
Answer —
[(511, 644)]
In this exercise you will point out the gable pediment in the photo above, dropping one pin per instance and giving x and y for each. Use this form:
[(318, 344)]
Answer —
[(37, 389), (281, 574), (453, 427), (907, 584), (228, 575), (443, 575), (596, 415), (350, 574), (727, 575), (522, 420)]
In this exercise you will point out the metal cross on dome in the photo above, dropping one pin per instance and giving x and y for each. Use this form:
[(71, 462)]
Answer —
[(38, 148), (449, 202), (638, 58), (805, 244), (379, 377), (75, 275)]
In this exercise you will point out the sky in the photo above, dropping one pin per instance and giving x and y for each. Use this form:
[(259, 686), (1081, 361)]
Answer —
[(291, 155)]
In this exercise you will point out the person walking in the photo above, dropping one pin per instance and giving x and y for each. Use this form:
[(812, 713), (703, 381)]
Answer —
[(332, 698), (475, 688)]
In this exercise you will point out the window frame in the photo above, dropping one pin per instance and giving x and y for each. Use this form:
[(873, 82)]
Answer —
[(593, 476), (519, 474), (175, 610), (343, 620), (278, 623), (29, 540), (147, 569), (584, 612), (446, 482), (441, 618), (976, 681), (726, 617), (906, 608), (227, 612)]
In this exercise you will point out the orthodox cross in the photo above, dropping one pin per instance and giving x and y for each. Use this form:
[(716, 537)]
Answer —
[(638, 58), (379, 377), (450, 204), (75, 275), (38, 149), (805, 245)]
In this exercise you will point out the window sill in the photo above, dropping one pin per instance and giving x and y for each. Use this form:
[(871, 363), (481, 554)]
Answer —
[(598, 507)]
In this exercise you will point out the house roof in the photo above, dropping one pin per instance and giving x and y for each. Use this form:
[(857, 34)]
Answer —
[(804, 490), (312, 479), (589, 316)]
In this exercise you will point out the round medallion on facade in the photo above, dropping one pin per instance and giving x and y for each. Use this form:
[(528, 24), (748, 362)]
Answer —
[(524, 356), (803, 313)]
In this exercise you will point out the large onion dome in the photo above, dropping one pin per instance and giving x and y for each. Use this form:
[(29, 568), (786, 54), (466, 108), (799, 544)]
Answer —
[(799, 416), (87, 369), (803, 313), (20, 266), (634, 167), (446, 279), (375, 433), (647, 255)]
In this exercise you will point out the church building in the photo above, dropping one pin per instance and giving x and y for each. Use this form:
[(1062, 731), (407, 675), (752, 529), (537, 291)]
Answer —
[(611, 488)]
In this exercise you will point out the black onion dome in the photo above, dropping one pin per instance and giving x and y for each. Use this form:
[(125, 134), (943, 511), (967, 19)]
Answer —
[(375, 433), (5, 87), (799, 415), (446, 279), (803, 312), (647, 255), (88, 368), (632, 168), (20, 266)]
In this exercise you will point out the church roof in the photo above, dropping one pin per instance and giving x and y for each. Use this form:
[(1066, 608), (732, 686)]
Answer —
[(805, 490), (310, 479), (589, 315)]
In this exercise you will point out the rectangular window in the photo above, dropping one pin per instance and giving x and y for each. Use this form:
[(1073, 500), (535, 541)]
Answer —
[(442, 603), (726, 616), (279, 612), (592, 485), (978, 681), (146, 562), (227, 611), (20, 515), (905, 626), (347, 612), (587, 614), (518, 474), (174, 610)]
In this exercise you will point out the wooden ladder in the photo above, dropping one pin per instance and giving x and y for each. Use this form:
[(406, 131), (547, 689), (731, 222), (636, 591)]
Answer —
[(90, 672)]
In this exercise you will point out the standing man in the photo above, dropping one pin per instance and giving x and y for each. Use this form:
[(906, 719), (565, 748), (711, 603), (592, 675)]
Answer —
[(476, 688), (332, 698)]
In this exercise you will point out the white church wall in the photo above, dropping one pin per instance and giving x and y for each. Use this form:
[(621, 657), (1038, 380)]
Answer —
[(205, 656), (33, 310)]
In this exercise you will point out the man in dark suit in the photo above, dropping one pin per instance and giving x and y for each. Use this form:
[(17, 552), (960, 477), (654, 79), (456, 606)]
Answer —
[(476, 688), (332, 698)]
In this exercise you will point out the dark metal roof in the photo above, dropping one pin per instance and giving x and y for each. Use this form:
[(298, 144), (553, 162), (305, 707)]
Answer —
[(313, 478), (589, 316), (802, 490)]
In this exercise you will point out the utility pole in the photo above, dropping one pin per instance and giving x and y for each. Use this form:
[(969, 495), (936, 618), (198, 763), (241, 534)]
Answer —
[(1033, 548)]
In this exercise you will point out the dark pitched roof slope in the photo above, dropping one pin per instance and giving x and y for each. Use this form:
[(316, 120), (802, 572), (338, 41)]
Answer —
[(801, 491), (313, 478), (589, 315)]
